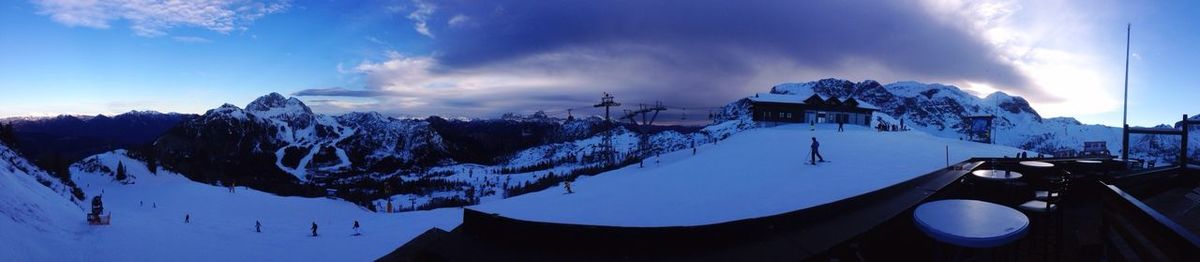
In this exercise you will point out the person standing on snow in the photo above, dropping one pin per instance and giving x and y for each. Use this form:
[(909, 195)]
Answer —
[(187, 218), (356, 227), (567, 184), (257, 226), (314, 229), (816, 153)]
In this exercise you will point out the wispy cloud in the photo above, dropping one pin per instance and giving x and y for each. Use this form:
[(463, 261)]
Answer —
[(420, 15), (155, 18), (459, 20), (191, 39)]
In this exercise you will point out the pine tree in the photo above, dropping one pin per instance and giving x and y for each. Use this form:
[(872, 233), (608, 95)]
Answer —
[(151, 159), (8, 135), (121, 172)]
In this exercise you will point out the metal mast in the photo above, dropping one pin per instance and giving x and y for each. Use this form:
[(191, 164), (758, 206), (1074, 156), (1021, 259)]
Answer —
[(1125, 114), (606, 147), (1125, 111)]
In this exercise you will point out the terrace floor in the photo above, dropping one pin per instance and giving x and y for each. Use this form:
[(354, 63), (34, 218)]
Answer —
[(1174, 205)]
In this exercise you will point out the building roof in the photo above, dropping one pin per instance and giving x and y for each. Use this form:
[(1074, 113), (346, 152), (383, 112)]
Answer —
[(800, 99), (778, 98), (866, 105)]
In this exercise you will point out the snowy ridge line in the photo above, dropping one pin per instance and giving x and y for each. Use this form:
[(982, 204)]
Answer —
[(941, 110), (813, 223)]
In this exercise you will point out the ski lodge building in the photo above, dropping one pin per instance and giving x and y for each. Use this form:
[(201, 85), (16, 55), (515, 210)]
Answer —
[(810, 109)]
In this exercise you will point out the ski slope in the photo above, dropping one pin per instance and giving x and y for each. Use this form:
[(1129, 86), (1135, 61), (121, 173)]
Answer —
[(221, 228), (35, 221), (755, 173)]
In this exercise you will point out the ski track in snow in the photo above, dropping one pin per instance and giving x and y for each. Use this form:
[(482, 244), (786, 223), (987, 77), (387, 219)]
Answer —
[(307, 138)]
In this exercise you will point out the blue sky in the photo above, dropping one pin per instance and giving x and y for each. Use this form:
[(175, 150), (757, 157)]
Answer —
[(481, 59)]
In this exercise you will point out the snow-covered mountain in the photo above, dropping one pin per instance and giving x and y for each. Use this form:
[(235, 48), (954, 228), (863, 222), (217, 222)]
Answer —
[(277, 144), (942, 110), (53, 143)]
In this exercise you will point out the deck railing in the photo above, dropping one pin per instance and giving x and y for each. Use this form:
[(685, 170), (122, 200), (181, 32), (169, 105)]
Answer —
[(1134, 231)]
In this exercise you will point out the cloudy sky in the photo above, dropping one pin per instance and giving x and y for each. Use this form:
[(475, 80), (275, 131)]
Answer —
[(485, 58)]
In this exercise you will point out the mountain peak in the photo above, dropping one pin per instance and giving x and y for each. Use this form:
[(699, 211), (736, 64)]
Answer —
[(275, 101), (997, 95)]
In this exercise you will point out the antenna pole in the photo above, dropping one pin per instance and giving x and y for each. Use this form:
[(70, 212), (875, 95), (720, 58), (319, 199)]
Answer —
[(1125, 115), (1125, 111)]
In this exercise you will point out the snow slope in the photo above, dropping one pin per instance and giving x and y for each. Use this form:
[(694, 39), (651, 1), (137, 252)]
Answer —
[(35, 221), (758, 172), (39, 225)]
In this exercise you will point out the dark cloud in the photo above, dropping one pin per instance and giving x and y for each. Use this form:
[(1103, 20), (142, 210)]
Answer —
[(689, 53), (338, 91), (717, 36)]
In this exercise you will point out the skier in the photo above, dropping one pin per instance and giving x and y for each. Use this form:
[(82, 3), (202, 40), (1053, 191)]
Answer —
[(257, 226), (356, 228), (840, 123), (567, 184), (816, 153), (187, 218), (314, 229)]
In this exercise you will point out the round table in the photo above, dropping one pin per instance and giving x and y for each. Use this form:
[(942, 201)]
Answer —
[(970, 223), (992, 174), (1038, 164)]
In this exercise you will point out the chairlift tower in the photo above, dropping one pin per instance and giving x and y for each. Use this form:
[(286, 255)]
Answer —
[(606, 148), (643, 136)]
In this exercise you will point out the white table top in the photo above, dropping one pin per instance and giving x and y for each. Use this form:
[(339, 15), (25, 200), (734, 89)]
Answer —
[(970, 223), (996, 174), (1036, 164)]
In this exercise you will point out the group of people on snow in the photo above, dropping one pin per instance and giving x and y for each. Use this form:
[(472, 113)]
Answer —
[(187, 219), (884, 126)]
